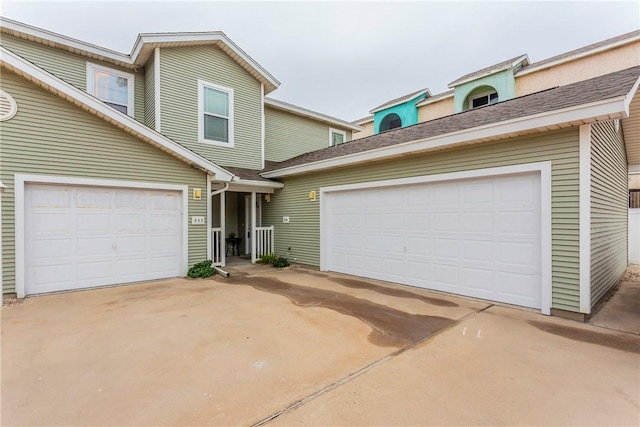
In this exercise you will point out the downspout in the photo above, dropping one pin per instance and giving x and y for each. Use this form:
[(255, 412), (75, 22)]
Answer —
[(222, 190)]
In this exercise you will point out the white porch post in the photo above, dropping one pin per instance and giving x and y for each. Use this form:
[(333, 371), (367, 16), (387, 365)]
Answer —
[(223, 232), (253, 227)]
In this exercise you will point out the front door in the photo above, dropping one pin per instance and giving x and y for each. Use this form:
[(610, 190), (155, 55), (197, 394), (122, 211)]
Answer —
[(247, 219)]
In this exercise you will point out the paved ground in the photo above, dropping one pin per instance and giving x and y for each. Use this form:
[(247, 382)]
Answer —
[(300, 347), (622, 311)]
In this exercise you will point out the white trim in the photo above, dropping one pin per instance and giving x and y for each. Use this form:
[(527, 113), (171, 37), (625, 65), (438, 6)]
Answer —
[(533, 67), (606, 109), (339, 132), (223, 227), (402, 100), (209, 217), (91, 68), (229, 91), (585, 219), (433, 99), (285, 106), (249, 186), (156, 88), (630, 96), (514, 64), (544, 168), (262, 123), (13, 106), (634, 169), (21, 181), (253, 227), (363, 121), (144, 43), (82, 99), (482, 95)]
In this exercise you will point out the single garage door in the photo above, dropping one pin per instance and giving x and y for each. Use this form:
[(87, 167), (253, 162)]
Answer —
[(81, 237), (477, 237)]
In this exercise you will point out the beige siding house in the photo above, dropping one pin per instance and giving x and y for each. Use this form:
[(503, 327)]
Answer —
[(118, 168)]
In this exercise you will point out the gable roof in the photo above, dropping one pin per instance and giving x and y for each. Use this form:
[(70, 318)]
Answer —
[(304, 112), (601, 98), (401, 99), (143, 47), (492, 69), (59, 87), (581, 52)]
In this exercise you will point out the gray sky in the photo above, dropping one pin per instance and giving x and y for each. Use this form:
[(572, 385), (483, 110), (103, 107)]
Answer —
[(343, 58)]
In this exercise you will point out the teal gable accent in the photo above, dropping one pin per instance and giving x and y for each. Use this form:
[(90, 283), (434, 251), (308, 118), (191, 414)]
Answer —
[(407, 111), (504, 82)]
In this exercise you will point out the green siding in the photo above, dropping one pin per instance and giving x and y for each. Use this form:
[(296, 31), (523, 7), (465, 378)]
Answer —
[(180, 70), (288, 135), (70, 67), (609, 209), (49, 136), (150, 94), (560, 147)]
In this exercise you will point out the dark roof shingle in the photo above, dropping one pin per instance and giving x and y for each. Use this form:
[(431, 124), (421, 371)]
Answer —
[(400, 99), (596, 89), (488, 70)]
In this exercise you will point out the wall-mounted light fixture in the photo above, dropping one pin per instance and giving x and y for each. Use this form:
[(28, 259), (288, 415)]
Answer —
[(312, 196), (267, 198), (197, 194)]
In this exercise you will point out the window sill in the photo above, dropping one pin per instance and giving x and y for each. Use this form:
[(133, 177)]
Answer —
[(216, 143)]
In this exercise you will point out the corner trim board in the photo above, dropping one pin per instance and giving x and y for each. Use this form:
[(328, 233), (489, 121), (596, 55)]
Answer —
[(156, 88), (585, 219)]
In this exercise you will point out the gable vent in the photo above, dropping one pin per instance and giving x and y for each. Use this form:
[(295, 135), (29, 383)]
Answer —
[(8, 106)]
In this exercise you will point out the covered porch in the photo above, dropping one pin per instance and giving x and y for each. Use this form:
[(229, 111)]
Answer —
[(236, 230)]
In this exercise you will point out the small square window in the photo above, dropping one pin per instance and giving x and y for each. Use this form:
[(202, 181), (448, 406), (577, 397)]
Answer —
[(215, 114), (337, 137), (113, 87)]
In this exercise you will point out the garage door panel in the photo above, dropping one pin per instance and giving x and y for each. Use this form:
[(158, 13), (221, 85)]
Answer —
[(470, 237), (111, 235)]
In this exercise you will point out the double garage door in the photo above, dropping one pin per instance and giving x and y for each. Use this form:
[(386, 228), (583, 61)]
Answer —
[(478, 237), (82, 237)]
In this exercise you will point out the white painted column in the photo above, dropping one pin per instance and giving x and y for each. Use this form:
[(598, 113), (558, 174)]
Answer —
[(209, 218), (253, 227), (223, 233), (585, 218)]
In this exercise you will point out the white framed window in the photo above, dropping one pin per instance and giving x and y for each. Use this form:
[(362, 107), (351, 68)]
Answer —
[(8, 106), (113, 87), (337, 137), (215, 114), (481, 99)]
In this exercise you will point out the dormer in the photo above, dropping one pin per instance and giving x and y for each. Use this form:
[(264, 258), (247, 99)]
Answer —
[(487, 86), (399, 112)]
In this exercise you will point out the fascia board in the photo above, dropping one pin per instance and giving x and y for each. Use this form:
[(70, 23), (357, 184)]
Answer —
[(428, 101), (534, 68), (489, 73), (102, 110), (66, 41), (401, 101), (212, 36), (281, 105), (607, 108)]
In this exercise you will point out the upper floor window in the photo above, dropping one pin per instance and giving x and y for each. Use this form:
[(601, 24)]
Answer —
[(481, 99), (215, 114), (113, 87), (337, 137), (390, 121)]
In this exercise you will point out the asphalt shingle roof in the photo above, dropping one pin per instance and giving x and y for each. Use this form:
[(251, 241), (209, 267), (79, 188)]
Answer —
[(400, 99), (600, 88), (487, 70)]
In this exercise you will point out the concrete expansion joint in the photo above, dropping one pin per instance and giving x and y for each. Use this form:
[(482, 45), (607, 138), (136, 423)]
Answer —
[(364, 370)]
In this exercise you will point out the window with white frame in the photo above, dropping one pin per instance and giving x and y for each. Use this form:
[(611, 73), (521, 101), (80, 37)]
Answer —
[(485, 98), (337, 137), (215, 114), (113, 87)]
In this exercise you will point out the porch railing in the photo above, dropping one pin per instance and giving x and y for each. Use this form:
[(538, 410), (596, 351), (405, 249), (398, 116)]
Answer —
[(217, 246), (264, 241)]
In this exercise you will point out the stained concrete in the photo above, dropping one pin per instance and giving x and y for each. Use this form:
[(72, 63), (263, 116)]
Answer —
[(622, 311), (300, 347)]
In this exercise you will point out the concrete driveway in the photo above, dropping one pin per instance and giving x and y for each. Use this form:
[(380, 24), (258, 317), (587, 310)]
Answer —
[(299, 347)]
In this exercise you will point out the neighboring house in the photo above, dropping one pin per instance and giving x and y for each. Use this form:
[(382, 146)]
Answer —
[(504, 81), (522, 201), (109, 159)]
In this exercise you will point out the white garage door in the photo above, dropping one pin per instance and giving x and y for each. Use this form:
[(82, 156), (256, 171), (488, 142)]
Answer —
[(81, 237), (477, 237)]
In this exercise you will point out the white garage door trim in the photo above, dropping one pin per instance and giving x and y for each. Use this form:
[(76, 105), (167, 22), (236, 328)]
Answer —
[(544, 168), (22, 180)]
